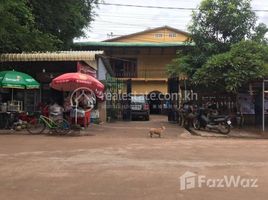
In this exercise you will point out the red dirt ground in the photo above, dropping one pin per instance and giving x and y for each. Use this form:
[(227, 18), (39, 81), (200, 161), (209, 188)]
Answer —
[(119, 161)]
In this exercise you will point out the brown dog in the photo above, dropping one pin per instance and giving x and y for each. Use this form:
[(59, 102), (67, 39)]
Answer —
[(156, 131)]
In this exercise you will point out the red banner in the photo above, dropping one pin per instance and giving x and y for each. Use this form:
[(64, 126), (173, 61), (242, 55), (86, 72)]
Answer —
[(86, 69)]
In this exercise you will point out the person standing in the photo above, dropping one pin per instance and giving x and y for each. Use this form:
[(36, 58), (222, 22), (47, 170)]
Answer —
[(188, 114), (55, 111)]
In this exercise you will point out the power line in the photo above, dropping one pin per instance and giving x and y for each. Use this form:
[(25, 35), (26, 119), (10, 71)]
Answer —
[(141, 6), (138, 18), (104, 23), (161, 7), (140, 15), (119, 23)]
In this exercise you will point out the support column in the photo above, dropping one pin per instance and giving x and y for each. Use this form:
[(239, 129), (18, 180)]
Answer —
[(263, 106)]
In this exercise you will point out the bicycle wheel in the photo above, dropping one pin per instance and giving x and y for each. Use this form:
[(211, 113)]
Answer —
[(62, 126), (36, 126)]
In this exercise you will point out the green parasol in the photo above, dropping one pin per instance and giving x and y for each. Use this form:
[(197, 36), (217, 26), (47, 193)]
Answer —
[(17, 80)]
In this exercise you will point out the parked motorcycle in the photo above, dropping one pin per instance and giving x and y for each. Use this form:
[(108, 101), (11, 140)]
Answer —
[(219, 123)]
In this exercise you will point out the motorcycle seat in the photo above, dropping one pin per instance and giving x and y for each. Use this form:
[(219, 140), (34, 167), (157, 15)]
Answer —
[(217, 116), (219, 120)]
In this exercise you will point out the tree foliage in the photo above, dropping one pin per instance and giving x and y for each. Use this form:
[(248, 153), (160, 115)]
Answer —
[(218, 29), (186, 62), (65, 19), (42, 25), (220, 23), (229, 71), (259, 34), (17, 29)]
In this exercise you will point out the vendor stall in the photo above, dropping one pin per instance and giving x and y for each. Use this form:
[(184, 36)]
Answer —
[(10, 109), (84, 90)]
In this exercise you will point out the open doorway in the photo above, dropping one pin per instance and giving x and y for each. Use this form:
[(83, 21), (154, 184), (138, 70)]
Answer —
[(154, 99)]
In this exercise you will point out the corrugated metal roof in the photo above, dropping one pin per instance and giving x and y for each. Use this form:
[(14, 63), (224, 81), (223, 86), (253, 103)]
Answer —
[(51, 56), (132, 44)]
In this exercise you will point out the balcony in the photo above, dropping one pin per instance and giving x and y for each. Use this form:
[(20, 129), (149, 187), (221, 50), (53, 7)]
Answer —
[(153, 74), (145, 76)]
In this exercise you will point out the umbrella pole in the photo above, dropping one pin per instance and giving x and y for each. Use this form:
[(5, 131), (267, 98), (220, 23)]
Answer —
[(76, 115), (12, 94), (76, 111)]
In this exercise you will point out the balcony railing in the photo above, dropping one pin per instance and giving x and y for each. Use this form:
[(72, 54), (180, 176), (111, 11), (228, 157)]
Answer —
[(126, 75), (152, 74), (142, 74)]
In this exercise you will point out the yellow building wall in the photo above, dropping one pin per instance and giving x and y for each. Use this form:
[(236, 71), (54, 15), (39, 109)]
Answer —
[(151, 62), (152, 72), (152, 65), (150, 37), (145, 87)]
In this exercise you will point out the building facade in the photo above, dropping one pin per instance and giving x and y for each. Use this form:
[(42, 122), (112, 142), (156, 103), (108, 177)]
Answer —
[(44, 67), (142, 57)]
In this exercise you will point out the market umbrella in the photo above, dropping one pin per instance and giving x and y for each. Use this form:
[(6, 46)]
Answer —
[(17, 80), (73, 81)]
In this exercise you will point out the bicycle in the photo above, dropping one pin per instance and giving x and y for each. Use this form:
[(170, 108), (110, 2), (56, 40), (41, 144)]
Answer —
[(38, 125)]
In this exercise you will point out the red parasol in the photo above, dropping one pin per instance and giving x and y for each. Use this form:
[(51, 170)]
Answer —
[(73, 81)]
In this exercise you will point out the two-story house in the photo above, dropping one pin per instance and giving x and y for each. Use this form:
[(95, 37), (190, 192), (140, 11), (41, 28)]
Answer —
[(142, 57)]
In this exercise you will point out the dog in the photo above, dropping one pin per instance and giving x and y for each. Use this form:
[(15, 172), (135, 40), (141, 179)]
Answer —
[(156, 131)]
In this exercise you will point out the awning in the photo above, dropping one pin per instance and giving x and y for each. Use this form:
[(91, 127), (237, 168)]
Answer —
[(133, 44), (51, 56)]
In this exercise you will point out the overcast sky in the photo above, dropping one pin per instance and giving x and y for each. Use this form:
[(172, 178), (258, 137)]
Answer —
[(127, 20)]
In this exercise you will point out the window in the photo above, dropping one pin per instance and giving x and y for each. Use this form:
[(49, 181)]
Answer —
[(172, 35), (124, 67), (158, 35)]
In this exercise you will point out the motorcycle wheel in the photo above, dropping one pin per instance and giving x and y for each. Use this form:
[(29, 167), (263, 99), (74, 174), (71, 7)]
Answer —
[(196, 124), (224, 128)]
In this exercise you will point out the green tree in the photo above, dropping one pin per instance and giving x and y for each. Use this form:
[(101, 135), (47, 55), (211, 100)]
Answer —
[(42, 25), (215, 27), (65, 19), (17, 29), (229, 71), (220, 23), (259, 34), (186, 62)]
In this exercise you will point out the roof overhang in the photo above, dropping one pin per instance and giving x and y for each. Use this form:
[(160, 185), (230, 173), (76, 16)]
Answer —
[(134, 44), (51, 56)]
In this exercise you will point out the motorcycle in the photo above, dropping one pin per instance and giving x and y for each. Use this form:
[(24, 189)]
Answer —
[(221, 123)]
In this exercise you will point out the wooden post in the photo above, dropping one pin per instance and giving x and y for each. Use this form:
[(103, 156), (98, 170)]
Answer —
[(263, 109)]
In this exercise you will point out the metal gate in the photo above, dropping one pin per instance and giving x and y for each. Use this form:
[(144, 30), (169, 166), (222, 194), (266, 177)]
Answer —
[(127, 101), (173, 91), (114, 104)]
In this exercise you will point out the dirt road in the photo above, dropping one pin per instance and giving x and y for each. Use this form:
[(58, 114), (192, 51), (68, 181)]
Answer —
[(119, 161)]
